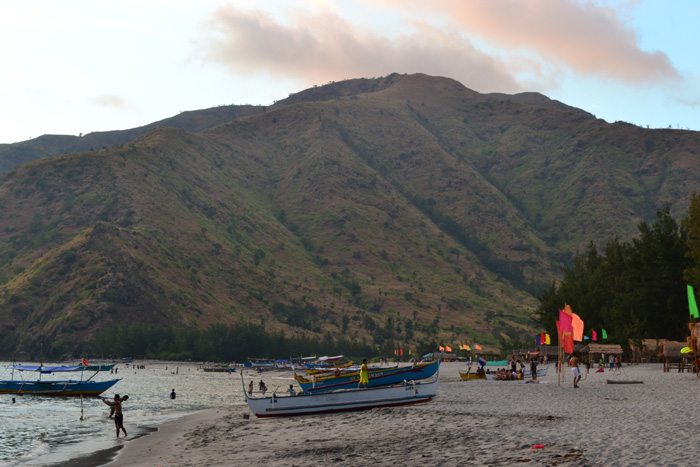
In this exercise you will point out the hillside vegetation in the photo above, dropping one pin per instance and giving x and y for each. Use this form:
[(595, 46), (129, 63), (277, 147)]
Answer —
[(400, 210)]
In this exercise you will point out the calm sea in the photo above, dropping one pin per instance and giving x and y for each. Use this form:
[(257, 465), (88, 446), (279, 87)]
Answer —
[(48, 430)]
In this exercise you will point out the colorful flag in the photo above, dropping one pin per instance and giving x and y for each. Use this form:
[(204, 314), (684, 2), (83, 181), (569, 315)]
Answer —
[(692, 305), (605, 334), (477, 346), (543, 338), (441, 348), (448, 348), (466, 347), (547, 340), (594, 336), (577, 325), (585, 338), (565, 322), (538, 340), (567, 342)]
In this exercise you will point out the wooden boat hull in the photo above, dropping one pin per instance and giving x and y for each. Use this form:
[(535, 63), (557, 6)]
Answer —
[(468, 376), (57, 388), (377, 378), (342, 401)]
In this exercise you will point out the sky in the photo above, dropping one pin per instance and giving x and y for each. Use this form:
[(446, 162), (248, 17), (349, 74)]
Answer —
[(77, 66)]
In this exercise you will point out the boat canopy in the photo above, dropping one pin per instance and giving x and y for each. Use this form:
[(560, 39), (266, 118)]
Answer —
[(46, 369)]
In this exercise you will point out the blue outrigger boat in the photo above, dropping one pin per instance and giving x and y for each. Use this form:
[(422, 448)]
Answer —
[(377, 377), (61, 388)]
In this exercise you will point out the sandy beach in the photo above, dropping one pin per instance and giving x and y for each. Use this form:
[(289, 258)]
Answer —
[(468, 423)]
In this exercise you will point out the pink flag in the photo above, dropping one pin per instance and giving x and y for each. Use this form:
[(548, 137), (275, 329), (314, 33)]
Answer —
[(565, 322), (594, 336), (577, 324)]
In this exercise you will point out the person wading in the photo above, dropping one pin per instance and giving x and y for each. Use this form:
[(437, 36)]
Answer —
[(118, 416)]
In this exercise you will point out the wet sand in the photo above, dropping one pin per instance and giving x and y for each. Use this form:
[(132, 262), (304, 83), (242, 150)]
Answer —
[(469, 423)]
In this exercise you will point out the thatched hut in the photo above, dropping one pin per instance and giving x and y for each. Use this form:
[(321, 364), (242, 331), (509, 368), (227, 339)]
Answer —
[(645, 350), (670, 353), (597, 351)]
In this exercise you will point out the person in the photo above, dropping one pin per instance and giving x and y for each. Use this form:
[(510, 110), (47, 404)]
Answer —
[(118, 415), (172, 394), (291, 390), (262, 387), (573, 363), (13, 400), (250, 388), (533, 368), (611, 362), (364, 374)]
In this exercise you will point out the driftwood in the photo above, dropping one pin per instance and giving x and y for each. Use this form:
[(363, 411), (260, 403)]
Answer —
[(614, 381)]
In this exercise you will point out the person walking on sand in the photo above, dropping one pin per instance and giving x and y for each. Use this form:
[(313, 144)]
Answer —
[(118, 415), (364, 375), (172, 394), (573, 363), (250, 388)]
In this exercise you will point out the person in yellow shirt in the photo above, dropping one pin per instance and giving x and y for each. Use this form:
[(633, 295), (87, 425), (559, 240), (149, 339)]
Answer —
[(364, 375)]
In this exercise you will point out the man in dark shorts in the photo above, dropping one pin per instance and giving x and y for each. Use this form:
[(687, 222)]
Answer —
[(118, 416)]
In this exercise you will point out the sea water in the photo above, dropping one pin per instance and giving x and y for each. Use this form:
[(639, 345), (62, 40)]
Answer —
[(39, 430)]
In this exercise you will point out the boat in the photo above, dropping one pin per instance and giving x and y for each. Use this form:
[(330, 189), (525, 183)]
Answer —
[(219, 369), (313, 370), (468, 375), (405, 393), (61, 388), (377, 377)]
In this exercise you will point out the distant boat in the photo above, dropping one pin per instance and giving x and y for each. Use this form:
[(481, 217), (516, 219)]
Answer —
[(219, 369), (61, 388), (342, 401), (377, 377)]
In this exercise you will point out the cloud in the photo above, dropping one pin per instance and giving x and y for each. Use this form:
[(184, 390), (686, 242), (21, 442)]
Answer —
[(589, 39), (322, 46), (113, 101)]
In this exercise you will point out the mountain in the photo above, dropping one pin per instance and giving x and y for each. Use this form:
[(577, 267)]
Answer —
[(404, 208)]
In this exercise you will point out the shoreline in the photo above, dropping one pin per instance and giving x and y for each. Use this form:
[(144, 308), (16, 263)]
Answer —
[(476, 422), (153, 445)]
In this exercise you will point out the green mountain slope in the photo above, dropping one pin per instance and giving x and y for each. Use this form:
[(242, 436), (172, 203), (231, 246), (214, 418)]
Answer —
[(396, 209)]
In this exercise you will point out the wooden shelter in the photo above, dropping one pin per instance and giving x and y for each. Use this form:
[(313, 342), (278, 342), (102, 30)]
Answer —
[(644, 351), (670, 353), (597, 351)]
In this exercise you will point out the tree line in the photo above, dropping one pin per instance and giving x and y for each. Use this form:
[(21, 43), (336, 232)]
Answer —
[(635, 289)]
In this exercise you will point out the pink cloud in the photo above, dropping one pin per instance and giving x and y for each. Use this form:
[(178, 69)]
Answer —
[(316, 48), (588, 38)]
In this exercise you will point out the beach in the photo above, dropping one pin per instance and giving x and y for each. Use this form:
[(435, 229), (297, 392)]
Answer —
[(468, 423)]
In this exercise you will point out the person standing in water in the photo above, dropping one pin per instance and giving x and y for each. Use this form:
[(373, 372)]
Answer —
[(118, 415), (364, 375)]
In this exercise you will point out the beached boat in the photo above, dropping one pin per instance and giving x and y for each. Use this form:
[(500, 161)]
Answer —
[(347, 400), (468, 375), (377, 377), (61, 388)]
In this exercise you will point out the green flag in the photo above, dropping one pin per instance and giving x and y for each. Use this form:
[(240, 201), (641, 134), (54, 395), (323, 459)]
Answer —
[(691, 303), (605, 334)]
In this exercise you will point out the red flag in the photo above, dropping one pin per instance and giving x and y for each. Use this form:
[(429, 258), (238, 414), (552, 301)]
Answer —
[(567, 342), (402, 352), (594, 336), (577, 325), (448, 348)]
